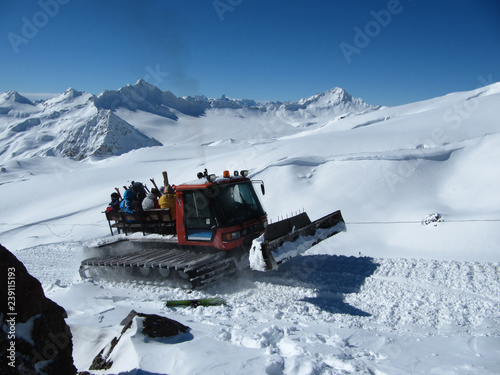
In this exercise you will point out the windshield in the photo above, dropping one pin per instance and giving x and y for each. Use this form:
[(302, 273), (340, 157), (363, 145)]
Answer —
[(236, 203)]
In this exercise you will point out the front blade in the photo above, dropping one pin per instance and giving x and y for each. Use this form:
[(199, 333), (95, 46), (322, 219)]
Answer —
[(291, 237)]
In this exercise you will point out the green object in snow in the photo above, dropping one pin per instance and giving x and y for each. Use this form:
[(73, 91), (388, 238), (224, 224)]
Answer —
[(217, 301)]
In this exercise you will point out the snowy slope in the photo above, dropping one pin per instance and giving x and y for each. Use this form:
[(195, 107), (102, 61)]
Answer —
[(69, 125), (389, 296)]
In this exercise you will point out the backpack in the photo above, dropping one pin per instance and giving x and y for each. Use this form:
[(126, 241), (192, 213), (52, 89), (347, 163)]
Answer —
[(139, 191)]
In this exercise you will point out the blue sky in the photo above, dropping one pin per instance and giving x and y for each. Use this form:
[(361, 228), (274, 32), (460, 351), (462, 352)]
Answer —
[(387, 52)]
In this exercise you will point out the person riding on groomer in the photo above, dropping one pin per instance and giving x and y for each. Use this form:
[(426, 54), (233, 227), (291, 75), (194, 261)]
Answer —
[(167, 200)]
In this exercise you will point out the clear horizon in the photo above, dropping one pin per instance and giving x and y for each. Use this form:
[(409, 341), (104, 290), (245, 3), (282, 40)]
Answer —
[(384, 52)]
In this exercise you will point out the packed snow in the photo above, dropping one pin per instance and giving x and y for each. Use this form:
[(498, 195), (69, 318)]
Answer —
[(412, 286)]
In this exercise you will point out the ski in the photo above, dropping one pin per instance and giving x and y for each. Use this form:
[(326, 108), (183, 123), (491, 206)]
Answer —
[(154, 183), (165, 179), (216, 301), (118, 192)]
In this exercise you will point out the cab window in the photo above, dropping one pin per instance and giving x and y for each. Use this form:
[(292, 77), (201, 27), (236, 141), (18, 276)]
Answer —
[(197, 210)]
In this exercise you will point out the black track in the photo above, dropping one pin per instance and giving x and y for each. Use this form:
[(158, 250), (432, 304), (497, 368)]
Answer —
[(184, 268)]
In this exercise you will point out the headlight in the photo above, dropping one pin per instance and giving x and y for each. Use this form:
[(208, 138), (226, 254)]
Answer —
[(231, 236)]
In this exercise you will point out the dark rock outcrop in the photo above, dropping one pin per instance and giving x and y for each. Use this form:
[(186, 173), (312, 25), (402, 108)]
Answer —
[(34, 338), (153, 326)]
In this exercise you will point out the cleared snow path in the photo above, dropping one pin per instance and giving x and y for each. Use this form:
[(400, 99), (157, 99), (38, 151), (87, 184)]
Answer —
[(319, 314)]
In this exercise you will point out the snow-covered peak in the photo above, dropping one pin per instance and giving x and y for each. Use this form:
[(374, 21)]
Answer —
[(141, 96), (335, 98), (330, 97), (71, 93), (14, 106), (142, 83), (12, 97), (144, 90), (103, 134), (69, 98)]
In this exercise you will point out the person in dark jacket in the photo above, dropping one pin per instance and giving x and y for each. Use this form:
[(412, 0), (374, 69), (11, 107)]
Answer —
[(114, 205)]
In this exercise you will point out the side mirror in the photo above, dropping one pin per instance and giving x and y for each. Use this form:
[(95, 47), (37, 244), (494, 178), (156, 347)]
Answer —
[(263, 189)]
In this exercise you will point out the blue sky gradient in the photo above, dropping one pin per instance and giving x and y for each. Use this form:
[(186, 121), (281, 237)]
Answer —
[(386, 52)]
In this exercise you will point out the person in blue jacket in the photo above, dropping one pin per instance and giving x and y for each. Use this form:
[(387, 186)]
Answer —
[(126, 203)]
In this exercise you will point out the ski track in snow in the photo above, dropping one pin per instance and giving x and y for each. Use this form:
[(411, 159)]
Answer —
[(318, 314)]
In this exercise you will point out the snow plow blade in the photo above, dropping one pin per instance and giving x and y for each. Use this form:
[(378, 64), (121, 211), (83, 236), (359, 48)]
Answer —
[(288, 238)]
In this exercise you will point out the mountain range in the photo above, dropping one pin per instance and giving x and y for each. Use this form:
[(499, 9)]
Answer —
[(79, 125)]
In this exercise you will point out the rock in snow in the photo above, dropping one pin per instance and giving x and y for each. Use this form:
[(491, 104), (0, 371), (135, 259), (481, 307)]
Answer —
[(153, 326), (34, 332)]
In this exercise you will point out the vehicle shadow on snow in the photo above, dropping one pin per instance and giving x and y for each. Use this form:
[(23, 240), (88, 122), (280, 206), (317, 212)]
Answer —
[(331, 276)]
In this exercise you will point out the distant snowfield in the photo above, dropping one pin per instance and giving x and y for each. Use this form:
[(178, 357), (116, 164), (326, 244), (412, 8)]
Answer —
[(389, 296)]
